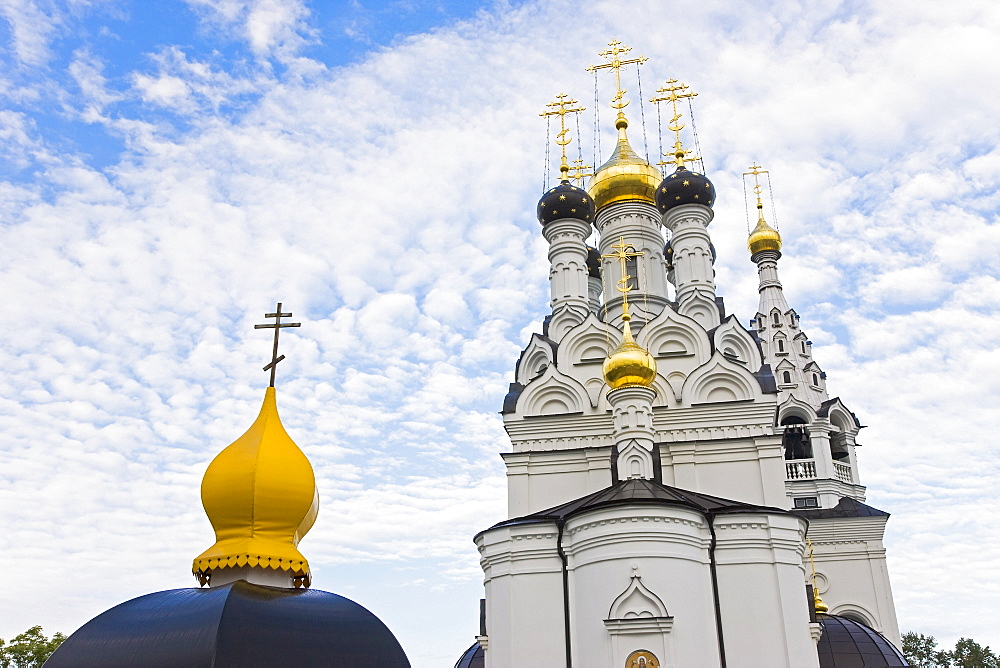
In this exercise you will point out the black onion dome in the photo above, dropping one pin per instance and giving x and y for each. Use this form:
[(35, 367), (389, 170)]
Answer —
[(684, 187), (565, 201), (668, 255), (474, 657), (593, 262), (238, 624), (846, 643)]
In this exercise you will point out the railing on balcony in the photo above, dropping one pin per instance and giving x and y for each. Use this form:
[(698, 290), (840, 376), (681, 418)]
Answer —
[(805, 469), (800, 469)]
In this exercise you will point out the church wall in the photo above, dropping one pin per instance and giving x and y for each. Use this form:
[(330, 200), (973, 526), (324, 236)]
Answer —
[(540, 480), (523, 581), (668, 548), (852, 574), (762, 593)]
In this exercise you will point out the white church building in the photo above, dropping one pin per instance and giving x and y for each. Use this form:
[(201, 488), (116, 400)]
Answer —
[(671, 471)]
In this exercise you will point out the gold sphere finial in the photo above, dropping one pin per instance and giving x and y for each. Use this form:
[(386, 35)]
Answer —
[(763, 237), (629, 364)]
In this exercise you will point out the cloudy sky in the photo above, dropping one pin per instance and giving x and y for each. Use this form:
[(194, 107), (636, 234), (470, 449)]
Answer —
[(169, 170)]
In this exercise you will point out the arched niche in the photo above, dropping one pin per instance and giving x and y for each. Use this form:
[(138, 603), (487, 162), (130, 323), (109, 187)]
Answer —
[(720, 381), (539, 354), (552, 393), (587, 343), (678, 342), (737, 344)]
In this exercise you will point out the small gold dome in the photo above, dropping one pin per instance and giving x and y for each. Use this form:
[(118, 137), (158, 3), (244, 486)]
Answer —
[(763, 238), (625, 176), (260, 495), (629, 364)]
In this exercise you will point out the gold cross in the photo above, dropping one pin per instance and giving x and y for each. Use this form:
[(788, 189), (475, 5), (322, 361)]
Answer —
[(277, 327), (756, 171), (579, 170), (623, 253), (560, 108), (672, 92), (618, 102)]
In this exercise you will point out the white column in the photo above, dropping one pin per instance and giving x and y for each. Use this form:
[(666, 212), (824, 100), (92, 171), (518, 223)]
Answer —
[(639, 224), (694, 275), (568, 279), (632, 412)]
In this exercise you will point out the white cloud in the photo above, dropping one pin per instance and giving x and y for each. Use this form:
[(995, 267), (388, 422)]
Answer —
[(390, 206)]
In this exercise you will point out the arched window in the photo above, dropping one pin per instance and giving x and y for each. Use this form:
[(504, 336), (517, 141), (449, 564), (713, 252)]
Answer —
[(803, 347), (775, 316), (786, 376), (781, 345), (816, 380)]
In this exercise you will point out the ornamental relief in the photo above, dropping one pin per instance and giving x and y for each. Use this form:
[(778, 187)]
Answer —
[(642, 659)]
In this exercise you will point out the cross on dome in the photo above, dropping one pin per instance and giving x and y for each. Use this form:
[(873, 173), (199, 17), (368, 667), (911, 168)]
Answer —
[(277, 326)]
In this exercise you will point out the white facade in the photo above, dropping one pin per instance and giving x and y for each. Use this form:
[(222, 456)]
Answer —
[(591, 584)]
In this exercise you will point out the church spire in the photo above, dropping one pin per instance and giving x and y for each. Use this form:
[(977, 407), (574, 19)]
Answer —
[(260, 495), (764, 243)]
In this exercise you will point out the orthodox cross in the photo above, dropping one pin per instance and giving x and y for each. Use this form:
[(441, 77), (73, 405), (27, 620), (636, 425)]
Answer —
[(560, 108), (623, 252), (756, 171), (672, 92), (277, 326), (578, 170), (615, 63)]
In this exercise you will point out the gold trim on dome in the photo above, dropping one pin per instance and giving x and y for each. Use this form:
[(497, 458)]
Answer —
[(763, 237)]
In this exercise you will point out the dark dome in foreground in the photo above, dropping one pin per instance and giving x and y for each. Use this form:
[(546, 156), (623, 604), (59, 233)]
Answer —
[(565, 201), (684, 187), (474, 657), (238, 624), (846, 643), (593, 262)]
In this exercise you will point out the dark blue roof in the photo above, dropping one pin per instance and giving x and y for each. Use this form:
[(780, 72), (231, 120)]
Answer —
[(238, 624), (474, 657), (846, 643)]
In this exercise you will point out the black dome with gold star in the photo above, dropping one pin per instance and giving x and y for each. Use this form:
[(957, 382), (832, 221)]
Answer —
[(684, 187), (565, 201), (593, 262)]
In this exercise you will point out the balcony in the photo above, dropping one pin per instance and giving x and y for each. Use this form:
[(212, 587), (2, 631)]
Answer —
[(805, 469), (800, 469)]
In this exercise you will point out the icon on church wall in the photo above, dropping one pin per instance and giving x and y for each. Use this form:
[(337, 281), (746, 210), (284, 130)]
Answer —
[(641, 659)]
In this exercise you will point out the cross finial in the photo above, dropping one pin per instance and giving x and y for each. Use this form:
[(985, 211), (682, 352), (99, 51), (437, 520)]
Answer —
[(672, 92), (756, 171), (616, 63), (277, 326), (623, 252), (562, 106), (579, 170)]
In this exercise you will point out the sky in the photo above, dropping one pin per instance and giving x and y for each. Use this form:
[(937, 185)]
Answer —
[(170, 170)]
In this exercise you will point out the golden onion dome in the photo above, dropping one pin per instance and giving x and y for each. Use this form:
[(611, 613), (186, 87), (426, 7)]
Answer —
[(629, 364), (625, 176), (764, 237), (260, 495)]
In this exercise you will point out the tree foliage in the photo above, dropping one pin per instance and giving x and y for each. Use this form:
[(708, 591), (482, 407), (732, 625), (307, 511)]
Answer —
[(921, 651), (29, 649)]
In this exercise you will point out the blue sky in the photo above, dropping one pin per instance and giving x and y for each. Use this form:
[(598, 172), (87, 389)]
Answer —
[(170, 170)]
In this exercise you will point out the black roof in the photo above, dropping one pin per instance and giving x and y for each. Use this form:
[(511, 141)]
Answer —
[(640, 491), (846, 643), (846, 507), (238, 624), (474, 657)]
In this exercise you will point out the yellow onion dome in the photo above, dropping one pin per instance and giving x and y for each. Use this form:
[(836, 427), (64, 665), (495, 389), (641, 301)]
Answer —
[(763, 238), (625, 176), (260, 495), (629, 365)]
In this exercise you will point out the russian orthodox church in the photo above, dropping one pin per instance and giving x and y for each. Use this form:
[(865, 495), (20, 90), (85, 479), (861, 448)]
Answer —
[(254, 606), (683, 492)]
